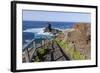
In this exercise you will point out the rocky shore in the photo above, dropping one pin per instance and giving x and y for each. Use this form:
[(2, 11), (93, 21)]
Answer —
[(79, 38)]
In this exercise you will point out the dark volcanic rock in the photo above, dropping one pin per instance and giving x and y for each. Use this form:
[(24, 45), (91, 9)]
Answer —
[(48, 28), (51, 30)]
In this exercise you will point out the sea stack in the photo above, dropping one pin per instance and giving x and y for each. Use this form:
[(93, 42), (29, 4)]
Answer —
[(48, 28)]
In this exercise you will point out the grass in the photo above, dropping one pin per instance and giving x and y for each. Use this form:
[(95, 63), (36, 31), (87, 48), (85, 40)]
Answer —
[(41, 51), (73, 54), (37, 59)]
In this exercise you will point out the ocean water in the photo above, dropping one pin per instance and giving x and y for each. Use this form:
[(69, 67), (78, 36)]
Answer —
[(35, 29)]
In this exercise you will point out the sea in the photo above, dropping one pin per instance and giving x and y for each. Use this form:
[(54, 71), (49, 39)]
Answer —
[(35, 29)]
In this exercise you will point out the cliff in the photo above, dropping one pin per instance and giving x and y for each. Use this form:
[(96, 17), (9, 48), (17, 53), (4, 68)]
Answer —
[(79, 38)]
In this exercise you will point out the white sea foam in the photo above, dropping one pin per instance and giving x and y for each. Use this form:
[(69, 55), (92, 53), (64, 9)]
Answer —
[(34, 30), (38, 31), (27, 41)]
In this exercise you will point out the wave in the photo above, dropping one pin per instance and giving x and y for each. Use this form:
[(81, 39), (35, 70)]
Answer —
[(34, 30), (27, 41), (38, 31)]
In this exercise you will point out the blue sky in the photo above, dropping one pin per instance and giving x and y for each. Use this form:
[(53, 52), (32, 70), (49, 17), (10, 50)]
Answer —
[(29, 15)]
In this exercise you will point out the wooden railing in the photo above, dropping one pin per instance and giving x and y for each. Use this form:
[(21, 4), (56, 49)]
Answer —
[(31, 48)]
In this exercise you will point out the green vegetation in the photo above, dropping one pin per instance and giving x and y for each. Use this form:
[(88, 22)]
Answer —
[(37, 59), (71, 52), (62, 43), (40, 53)]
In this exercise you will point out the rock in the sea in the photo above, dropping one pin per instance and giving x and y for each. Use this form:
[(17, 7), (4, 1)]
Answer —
[(48, 28), (51, 30)]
